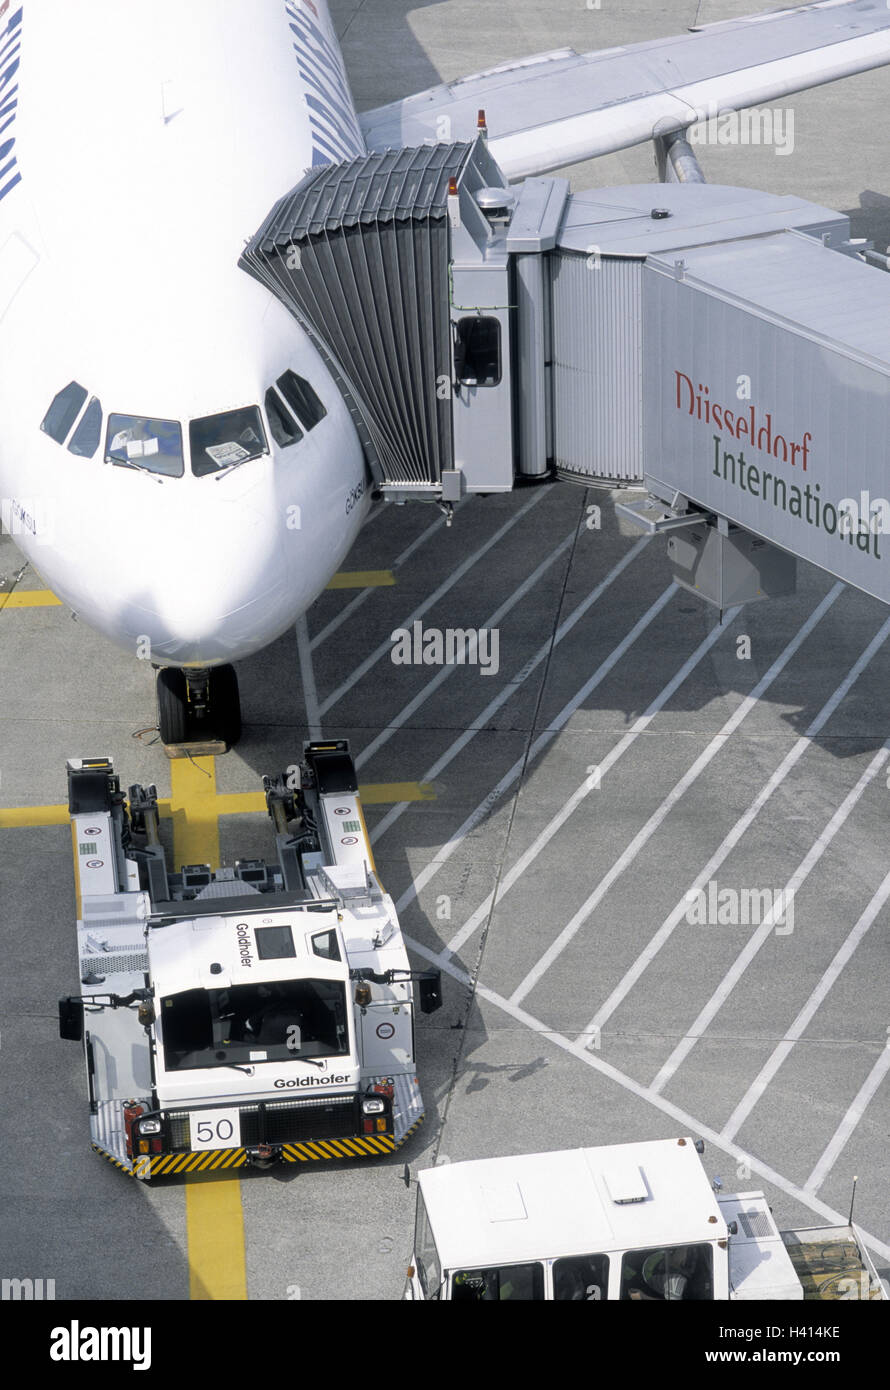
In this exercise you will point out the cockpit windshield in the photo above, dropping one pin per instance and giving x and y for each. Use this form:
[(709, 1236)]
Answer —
[(134, 441), (276, 1021), (221, 441)]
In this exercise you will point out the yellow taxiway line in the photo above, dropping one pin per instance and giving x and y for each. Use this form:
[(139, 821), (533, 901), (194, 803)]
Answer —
[(214, 1217), (345, 579), (193, 815), (30, 598), (363, 579)]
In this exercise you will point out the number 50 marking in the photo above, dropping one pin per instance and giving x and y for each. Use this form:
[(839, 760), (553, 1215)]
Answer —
[(214, 1129)]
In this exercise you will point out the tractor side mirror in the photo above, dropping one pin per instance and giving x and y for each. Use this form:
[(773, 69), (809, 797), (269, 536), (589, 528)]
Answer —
[(71, 1019), (430, 992)]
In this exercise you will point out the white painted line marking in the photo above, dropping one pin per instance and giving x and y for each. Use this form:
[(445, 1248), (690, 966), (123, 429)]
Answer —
[(442, 675), (686, 1123), (819, 994), (630, 853), (365, 594), (599, 675), (645, 958), (754, 943), (849, 1122), (814, 854), (307, 675), (494, 705), (386, 647)]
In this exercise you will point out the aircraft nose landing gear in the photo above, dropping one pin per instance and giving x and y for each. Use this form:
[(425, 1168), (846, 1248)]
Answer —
[(199, 711)]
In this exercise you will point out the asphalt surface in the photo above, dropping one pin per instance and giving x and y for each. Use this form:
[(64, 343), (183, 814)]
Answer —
[(627, 748)]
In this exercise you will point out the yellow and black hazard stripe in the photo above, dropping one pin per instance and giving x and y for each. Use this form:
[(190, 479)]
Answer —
[(118, 1163), (357, 1146), (408, 1132), (163, 1165), (154, 1165)]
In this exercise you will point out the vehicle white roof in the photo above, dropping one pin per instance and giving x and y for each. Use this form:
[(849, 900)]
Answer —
[(573, 1202), (183, 952)]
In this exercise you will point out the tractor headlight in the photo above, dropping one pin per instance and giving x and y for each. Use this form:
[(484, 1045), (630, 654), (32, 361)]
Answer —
[(373, 1107)]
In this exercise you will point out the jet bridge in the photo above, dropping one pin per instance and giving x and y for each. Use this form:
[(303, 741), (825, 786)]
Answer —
[(724, 350)]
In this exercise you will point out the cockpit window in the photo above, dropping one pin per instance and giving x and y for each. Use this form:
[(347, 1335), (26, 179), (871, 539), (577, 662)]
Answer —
[(85, 440), (133, 441), (221, 441), (63, 412), (302, 399), (284, 427)]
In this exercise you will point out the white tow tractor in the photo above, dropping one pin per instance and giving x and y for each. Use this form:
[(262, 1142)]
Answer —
[(250, 1014), (626, 1221)]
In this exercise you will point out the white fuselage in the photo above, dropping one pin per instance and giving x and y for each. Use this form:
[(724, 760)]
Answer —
[(140, 147)]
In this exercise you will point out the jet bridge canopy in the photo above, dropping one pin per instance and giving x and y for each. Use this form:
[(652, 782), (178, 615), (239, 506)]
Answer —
[(359, 253)]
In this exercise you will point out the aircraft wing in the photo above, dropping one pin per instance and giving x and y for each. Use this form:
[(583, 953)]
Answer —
[(562, 107)]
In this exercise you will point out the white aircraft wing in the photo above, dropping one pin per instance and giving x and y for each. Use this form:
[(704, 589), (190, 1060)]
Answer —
[(559, 108)]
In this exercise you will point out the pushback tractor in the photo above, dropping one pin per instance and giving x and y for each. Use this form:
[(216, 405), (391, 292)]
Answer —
[(249, 1014)]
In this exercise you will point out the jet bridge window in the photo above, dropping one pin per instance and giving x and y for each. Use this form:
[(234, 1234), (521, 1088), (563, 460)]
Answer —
[(269, 1021), (301, 398), (221, 441), (65, 408), (477, 351), (284, 428), (86, 438), (677, 1272), (135, 441)]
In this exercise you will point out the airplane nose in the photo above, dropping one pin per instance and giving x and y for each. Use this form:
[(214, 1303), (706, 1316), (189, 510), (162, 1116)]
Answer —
[(211, 601)]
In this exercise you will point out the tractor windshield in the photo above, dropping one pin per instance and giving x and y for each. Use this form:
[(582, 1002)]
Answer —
[(276, 1021)]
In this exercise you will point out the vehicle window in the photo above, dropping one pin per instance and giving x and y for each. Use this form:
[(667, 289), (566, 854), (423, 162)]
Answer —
[(134, 441), (221, 441), (324, 944), (429, 1268), (65, 408), (85, 440), (301, 398), (274, 943), (283, 426), (271, 1021), (581, 1278), (477, 351), (676, 1272), (519, 1282)]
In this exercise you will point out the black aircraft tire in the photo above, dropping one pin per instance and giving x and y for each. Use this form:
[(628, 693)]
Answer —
[(172, 705), (225, 704)]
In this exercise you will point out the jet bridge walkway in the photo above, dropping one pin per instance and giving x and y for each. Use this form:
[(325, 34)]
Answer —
[(724, 350)]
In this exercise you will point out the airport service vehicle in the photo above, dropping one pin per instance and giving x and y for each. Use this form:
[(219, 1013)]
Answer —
[(225, 442), (625, 1221), (250, 1014)]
